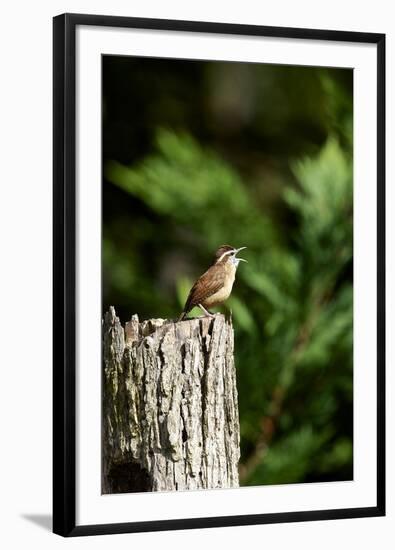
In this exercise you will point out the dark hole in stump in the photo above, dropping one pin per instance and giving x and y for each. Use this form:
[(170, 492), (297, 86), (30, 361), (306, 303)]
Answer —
[(129, 478)]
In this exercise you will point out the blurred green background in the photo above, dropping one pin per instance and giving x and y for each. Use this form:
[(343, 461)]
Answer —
[(199, 154)]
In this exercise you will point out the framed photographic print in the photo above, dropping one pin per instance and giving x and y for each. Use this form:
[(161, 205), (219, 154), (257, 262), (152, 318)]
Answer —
[(219, 274)]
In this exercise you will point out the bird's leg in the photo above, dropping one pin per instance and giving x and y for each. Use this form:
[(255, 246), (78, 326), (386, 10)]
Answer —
[(206, 311)]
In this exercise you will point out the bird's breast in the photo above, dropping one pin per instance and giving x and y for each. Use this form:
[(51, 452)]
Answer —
[(223, 293)]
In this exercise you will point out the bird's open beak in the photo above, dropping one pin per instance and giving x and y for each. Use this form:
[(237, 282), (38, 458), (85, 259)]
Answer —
[(237, 251)]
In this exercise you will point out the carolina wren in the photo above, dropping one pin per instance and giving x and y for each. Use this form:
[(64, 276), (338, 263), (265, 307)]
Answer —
[(215, 285)]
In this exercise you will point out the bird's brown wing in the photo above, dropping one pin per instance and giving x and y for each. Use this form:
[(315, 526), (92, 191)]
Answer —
[(208, 284)]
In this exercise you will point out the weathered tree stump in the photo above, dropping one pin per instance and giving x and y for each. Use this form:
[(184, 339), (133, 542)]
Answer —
[(170, 413)]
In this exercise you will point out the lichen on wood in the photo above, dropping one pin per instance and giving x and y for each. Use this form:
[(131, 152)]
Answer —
[(170, 412)]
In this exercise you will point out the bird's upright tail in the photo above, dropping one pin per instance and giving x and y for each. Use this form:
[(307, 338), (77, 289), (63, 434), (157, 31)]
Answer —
[(182, 316)]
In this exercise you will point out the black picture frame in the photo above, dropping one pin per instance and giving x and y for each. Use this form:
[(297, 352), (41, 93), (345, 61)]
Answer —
[(64, 273)]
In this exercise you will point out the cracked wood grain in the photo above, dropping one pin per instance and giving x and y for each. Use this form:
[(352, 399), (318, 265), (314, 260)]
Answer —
[(170, 412)]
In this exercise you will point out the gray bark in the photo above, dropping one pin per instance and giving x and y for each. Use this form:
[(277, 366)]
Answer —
[(170, 413)]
